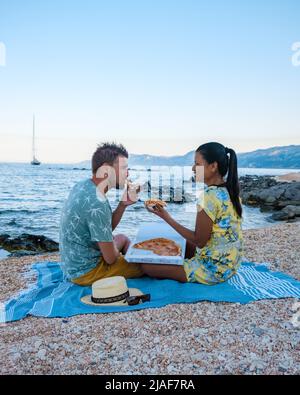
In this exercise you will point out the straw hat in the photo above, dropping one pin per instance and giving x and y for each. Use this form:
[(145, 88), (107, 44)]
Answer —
[(110, 291)]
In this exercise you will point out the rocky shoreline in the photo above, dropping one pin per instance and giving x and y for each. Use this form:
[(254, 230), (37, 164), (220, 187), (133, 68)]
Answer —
[(27, 244), (281, 198), (278, 195)]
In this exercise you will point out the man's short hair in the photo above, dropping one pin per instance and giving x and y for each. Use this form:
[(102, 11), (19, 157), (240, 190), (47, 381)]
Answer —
[(107, 153)]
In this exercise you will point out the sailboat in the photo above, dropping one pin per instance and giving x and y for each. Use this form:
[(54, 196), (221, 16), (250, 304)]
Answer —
[(34, 161)]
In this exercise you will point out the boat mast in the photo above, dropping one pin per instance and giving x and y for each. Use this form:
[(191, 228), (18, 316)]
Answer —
[(33, 138)]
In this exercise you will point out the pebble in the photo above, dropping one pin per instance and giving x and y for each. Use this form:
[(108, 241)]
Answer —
[(257, 364), (258, 331), (170, 369), (285, 365), (42, 354), (198, 357), (37, 344), (224, 342), (145, 359), (16, 355), (199, 331)]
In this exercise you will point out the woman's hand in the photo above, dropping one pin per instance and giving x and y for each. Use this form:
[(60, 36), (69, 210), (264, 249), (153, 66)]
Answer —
[(160, 212)]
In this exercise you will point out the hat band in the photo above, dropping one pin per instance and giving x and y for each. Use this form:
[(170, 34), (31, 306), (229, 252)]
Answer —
[(112, 299)]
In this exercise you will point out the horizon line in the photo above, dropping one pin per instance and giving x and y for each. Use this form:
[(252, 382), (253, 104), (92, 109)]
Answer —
[(164, 156)]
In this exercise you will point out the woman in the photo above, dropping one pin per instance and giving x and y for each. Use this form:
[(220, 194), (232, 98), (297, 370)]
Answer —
[(215, 247)]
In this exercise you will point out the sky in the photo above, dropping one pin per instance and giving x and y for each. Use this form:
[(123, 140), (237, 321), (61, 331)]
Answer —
[(159, 76)]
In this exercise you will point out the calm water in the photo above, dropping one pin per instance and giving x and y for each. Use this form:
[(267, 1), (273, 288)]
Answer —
[(31, 199)]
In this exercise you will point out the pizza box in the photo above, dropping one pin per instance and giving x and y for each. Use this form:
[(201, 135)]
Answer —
[(151, 230)]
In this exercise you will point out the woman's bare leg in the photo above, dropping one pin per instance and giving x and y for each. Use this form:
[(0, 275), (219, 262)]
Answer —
[(171, 272)]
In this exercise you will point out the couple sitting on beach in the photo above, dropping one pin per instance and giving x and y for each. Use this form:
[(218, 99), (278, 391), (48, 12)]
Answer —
[(90, 252)]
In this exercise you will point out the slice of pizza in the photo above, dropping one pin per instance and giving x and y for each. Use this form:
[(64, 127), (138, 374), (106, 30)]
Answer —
[(160, 246), (150, 203)]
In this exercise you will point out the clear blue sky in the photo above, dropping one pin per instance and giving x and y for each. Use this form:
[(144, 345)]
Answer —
[(161, 76)]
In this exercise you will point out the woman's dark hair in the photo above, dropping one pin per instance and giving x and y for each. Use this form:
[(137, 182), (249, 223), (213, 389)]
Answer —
[(216, 152)]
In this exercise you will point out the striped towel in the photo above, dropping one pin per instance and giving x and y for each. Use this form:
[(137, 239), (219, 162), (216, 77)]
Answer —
[(52, 296)]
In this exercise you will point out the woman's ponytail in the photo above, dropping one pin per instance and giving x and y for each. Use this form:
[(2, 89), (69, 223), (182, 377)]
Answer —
[(232, 181)]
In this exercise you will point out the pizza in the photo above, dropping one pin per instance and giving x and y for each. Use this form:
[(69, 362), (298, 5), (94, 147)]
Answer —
[(160, 246), (155, 202)]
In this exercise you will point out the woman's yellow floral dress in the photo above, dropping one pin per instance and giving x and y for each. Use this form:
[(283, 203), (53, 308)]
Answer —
[(221, 257)]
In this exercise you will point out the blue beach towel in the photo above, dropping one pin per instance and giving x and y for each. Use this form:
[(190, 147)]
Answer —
[(51, 296)]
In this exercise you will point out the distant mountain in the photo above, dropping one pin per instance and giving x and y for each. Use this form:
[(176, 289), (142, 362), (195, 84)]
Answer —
[(274, 158), (151, 160)]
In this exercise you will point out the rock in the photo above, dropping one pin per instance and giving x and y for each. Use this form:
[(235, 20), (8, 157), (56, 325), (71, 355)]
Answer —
[(257, 364), (20, 253), (145, 359), (280, 216), (3, 254), (292, 211), (200, 356), (250, 182), (270, 199), (3, 238), (288, 212), (16, 355), (42, 354), (199, 331), (224, 342), (295, 341), (258, 331), (26, 242), (37, 344), (170, 369), (53, 346), (284, 366)]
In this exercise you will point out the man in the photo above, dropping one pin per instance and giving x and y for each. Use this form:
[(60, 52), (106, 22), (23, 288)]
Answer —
[(88, 249)]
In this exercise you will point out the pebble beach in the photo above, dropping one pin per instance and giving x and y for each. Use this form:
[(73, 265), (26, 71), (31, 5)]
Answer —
[(200, 338)]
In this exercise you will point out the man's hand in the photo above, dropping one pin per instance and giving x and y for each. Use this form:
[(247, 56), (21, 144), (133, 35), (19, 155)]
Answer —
[(122, 243), (130, 196), (109, 251)]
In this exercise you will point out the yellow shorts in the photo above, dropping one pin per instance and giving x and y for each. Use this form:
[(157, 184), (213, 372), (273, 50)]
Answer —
[(120, 268)]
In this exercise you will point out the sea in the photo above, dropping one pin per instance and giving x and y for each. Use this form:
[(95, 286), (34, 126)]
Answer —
[(31, 198)]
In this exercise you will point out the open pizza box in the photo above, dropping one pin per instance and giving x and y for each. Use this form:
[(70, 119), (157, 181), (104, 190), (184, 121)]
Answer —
[(151, 230)]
